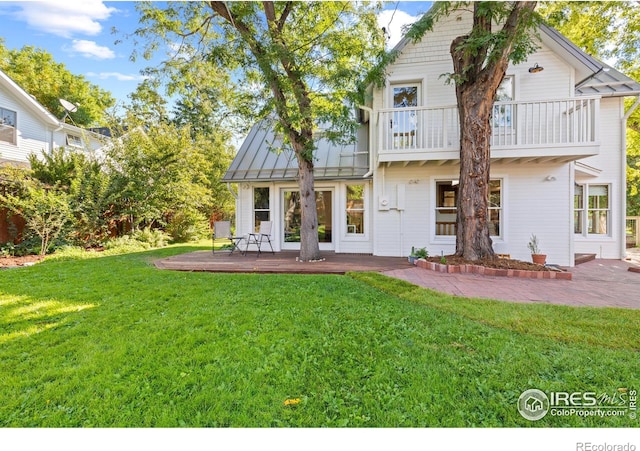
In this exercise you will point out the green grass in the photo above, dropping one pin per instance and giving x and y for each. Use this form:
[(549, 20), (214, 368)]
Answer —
[(111, 341)]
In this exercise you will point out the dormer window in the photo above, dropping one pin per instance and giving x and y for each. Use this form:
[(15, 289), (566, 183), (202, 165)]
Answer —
[(8, 126), (74, 141)]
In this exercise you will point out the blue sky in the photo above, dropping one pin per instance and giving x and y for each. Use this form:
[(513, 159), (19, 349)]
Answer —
[(78, 33)]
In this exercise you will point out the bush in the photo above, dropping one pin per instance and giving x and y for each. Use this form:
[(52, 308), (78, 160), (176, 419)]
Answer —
[(187, 226), (139, 240)]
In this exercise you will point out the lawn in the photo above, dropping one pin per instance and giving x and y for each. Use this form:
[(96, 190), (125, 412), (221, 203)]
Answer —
[(111, 341)]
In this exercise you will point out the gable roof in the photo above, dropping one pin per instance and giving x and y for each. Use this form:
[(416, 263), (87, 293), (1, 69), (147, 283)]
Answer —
[(29, 102), (264, 157), (593, 76)]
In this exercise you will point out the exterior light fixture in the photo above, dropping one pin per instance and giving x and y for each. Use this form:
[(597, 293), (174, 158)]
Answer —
[(535, 69)]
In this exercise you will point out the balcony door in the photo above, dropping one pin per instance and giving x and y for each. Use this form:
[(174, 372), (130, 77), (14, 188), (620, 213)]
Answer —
[(405, 98)]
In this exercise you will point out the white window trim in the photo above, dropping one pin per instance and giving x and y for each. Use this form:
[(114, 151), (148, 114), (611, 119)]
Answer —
[(15, 128), (353, 237), (585, 235), (399, 81), (451, 239), (79, 142), (253, 205)]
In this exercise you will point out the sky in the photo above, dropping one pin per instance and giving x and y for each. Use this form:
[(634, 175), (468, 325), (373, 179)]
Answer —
[(79, 34)]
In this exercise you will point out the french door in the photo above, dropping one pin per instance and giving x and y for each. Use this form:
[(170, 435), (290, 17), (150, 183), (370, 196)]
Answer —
[(292, 216)]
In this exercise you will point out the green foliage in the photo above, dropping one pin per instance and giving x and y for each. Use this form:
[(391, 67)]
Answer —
[(139, 240), (45, 210), (38, 74), (420, 253), (186, 225), (91, 195), (633, 173), (302, 60), (164, 170)]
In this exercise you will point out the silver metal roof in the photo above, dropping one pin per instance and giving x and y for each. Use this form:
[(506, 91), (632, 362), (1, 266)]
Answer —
[(608, 82), (263, 156)]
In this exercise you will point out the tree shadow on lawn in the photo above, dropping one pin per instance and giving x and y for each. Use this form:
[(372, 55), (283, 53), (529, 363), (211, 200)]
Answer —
[(46, 296)]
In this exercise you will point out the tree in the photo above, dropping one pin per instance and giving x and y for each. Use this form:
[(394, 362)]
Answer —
[(38, 74), (480, 60), (45, 210), (299, 61)]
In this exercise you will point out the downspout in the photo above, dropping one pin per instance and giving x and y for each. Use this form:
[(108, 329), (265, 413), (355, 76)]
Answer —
[(238, 207), (370, 111), (234, 194), (623, 177)]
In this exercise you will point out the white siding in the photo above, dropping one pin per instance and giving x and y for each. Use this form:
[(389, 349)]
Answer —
[(530, 205), (33, 136), (610, 161)]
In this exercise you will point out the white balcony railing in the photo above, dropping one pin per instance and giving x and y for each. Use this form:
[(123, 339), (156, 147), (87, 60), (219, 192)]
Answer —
[(566, 122)]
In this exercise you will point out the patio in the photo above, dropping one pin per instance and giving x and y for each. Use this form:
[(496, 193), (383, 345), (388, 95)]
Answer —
[(280, 262)]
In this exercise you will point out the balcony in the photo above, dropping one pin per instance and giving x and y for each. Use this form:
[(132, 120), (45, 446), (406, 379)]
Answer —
[(564, 129)]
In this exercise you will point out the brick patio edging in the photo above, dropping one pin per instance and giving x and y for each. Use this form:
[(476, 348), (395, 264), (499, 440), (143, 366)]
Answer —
[(476, 269)]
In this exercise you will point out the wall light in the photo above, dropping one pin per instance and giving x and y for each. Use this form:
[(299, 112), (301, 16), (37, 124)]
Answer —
[(550, 178), (535, 69)]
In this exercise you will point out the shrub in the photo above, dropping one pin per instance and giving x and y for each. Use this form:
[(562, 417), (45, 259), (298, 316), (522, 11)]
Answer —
[(187, 226)]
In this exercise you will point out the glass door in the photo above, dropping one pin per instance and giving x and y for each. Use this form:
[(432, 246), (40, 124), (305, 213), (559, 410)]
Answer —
[(291, 217), (404, 123)]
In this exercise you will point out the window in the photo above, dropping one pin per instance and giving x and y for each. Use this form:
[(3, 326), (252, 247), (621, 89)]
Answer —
[(261, 210), (446, 204), (578, 209), (74, 141), (591, 209), (8, 126), (355, 209)]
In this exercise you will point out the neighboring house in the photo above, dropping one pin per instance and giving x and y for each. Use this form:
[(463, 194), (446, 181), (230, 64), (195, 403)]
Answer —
[(557, 171), (26, 127)]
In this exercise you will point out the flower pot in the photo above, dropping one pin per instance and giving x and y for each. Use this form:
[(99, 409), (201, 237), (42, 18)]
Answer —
[(413, 259), (539, 259)]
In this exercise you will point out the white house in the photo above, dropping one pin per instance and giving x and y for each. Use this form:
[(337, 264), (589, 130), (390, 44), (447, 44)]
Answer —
[(557, 170), (26, 127)]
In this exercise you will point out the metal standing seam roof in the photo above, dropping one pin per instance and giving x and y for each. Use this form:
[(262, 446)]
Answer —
[(263, 156)]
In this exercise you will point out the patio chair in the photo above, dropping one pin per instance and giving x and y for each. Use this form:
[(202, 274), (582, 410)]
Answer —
[(258, 238), (222, 231)]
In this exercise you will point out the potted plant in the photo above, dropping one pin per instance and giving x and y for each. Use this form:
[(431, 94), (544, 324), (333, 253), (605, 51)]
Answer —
[(536, 256), (417, 253)]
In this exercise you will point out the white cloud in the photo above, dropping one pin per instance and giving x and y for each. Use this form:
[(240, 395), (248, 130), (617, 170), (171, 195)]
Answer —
[(65, 19), (89, 49), (394, 22), (117, 75)]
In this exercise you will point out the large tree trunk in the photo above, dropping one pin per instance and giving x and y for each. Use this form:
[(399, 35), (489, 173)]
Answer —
[(473, 240), (309, 246)]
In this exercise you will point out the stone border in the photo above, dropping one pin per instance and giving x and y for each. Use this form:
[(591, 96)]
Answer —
[(483, 270)]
